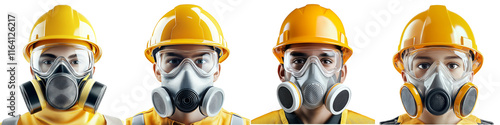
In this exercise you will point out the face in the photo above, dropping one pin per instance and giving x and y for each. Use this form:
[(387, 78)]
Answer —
[(424, 60), (301, 52), (201, 55), (76, 57)]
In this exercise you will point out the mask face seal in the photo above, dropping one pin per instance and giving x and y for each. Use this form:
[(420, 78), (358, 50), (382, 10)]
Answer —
[(187, 83), (438, 82), (314, 81)]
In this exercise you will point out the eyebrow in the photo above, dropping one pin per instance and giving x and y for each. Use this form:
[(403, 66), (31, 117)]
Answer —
[(174, 54), (448, 57), (201, 54), (328, 54), (298, 54), (72, 56), (48, 55), (422, 57), (452, 57)]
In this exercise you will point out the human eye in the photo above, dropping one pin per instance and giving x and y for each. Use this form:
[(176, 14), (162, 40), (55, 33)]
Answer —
[(75, 62), (453, 65), (424, 65), (327, 61), (201, 61), (47, 61), (299, 61), (174, 61)]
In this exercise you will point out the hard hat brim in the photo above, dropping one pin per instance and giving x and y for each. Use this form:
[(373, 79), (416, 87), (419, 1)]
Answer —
[(96, 50)]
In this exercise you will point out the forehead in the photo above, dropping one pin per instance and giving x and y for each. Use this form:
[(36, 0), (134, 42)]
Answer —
[(187, 47), (306, 47), (60, 50), (436, 54)]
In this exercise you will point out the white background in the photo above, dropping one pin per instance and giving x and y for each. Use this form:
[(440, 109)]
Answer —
[(249, 76)]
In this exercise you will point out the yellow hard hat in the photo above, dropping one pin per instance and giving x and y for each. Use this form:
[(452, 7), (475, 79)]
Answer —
[(62, 25), (312, 24), (438, 27), (187, 24)]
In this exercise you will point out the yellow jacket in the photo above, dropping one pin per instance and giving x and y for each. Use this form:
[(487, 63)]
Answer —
[(405, 119), (150, 117), (73, 116), (279, 117)]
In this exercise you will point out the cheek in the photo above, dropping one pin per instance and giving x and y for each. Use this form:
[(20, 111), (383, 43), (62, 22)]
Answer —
[(419, 73), (457, 73), (287, 75), (44, 68)]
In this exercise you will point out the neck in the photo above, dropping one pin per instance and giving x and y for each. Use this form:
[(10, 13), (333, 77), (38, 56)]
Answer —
[(447, 118), (187, 117), (313, 116)]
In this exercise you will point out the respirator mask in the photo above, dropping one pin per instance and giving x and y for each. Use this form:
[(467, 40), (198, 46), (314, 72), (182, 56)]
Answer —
[(187, 82), (438, 78), (63, 75), (314, 81)]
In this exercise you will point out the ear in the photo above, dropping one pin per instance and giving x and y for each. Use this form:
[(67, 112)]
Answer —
[(157, 72), (404, 76), (471, 77), (217, 73), (281, 72), (31, 71), (344, 73)]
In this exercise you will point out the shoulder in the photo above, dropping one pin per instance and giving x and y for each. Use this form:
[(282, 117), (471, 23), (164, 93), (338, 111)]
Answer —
[(484, 122), (393, 121), (141, 116), (402, 119), (10, 121), (274, 117), (233, 117), (110, 120), (24, 119), (475, 119), (356, 118), (27, 118)]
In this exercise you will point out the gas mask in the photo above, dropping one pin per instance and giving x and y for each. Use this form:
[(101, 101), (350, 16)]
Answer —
[(63, 75), (187, 83), (438, 80), (314, 81)]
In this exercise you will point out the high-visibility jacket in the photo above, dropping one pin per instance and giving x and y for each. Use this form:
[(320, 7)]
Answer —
[(280, 117), (405, 119), (150, 117)]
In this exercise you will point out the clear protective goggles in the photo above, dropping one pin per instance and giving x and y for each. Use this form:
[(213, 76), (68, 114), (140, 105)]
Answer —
[(422, 63), (46, 58), (171, 61), (297, 60)]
